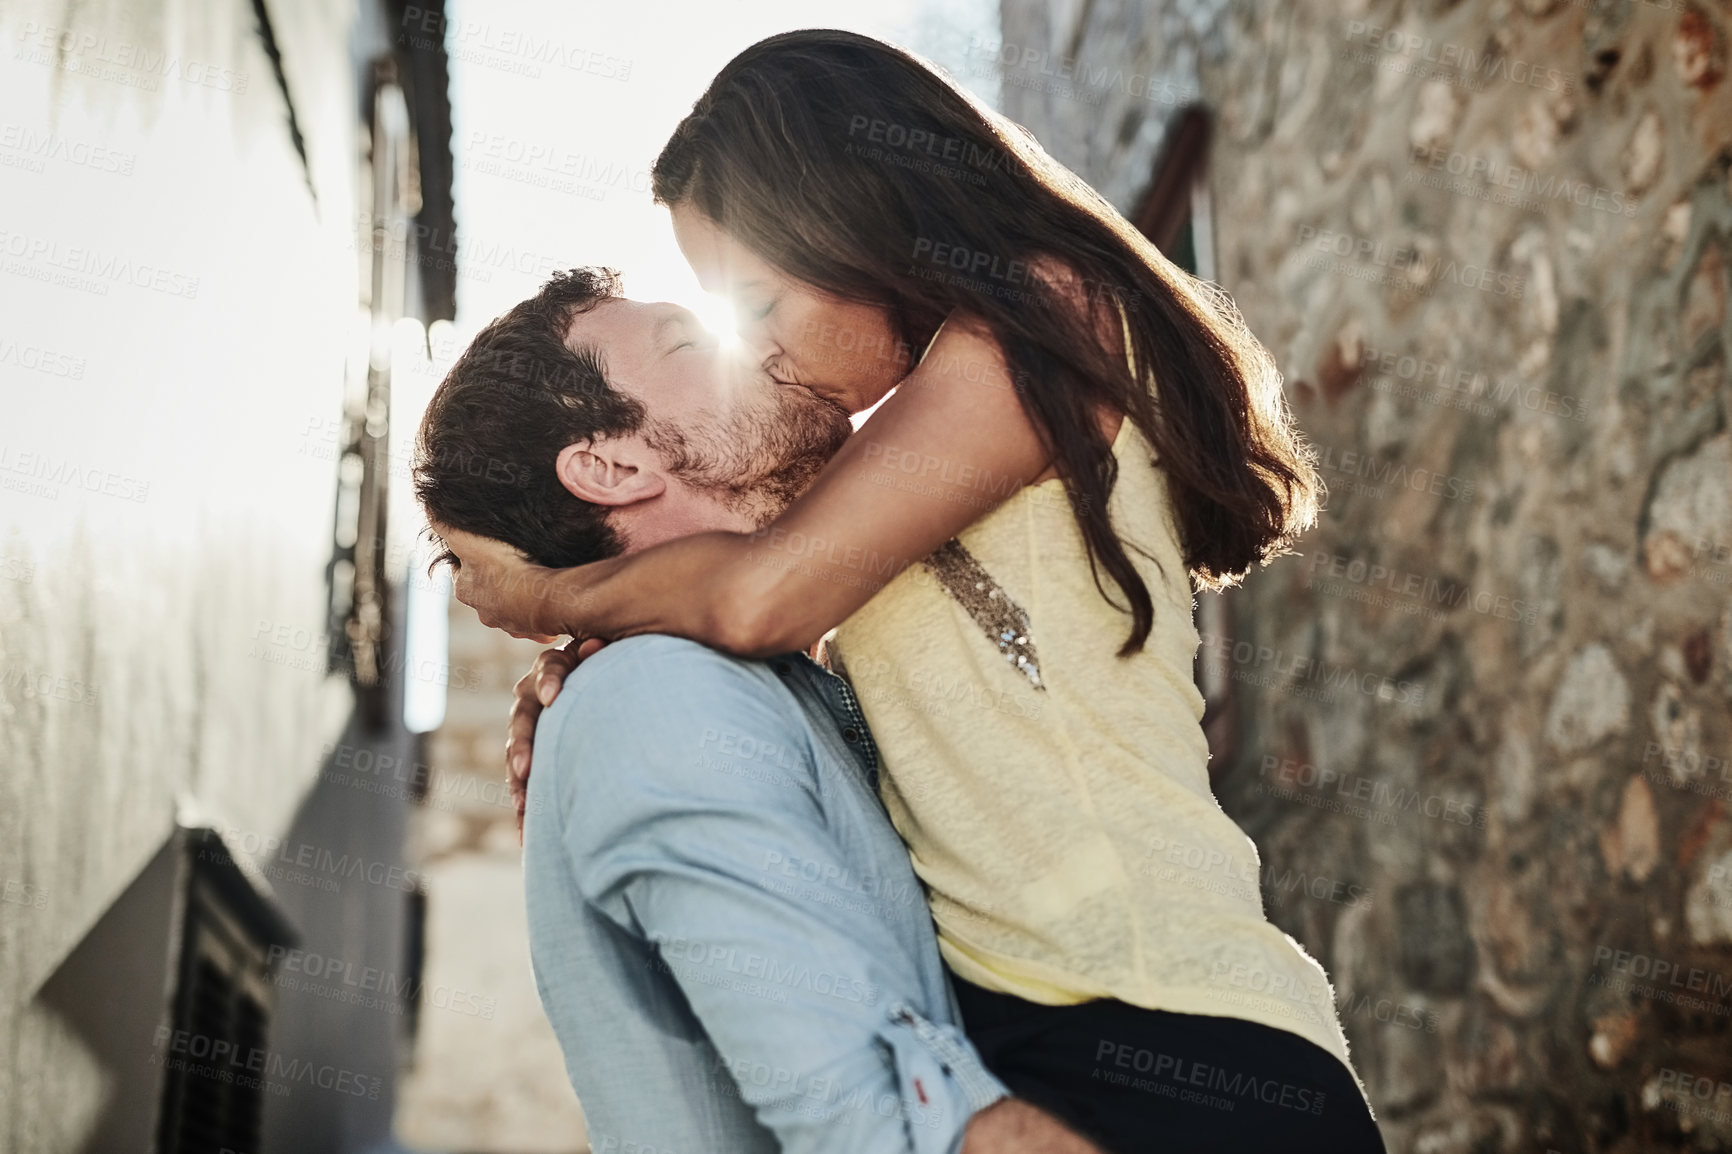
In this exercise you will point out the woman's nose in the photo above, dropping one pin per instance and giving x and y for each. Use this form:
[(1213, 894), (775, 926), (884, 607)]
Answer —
[(759, 345)]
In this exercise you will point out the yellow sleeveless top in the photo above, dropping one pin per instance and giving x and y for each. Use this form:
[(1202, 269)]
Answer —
[(1054, 797)]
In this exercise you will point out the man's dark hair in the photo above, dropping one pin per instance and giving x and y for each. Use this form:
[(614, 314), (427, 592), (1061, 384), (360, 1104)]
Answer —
[(485, 455)]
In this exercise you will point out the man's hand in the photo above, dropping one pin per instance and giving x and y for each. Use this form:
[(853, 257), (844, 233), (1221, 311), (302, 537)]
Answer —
[(493, 579), (1012, 1126), (535, 691)]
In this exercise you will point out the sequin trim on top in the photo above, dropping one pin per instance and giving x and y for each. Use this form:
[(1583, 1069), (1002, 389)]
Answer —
[(1004, 622)]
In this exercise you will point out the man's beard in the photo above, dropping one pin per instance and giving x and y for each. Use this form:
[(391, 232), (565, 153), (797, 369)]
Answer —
[(762, 456)]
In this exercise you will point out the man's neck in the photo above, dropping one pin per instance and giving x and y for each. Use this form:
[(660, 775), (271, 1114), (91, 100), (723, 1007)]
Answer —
[(679, 512)]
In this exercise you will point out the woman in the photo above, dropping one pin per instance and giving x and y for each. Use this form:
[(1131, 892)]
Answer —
[(1028, 683)]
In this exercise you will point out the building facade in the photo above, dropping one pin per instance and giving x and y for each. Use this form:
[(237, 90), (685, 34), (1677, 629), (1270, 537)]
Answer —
[(224, 226)]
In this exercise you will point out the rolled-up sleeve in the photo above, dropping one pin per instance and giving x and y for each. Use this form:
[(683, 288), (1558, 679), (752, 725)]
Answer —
[(697, 780)]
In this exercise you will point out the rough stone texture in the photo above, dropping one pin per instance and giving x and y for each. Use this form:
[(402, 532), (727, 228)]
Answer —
[(1107, 124), (1433, 952), (1377, 168), (1592, 701), (1691, 509), (1708, 904)]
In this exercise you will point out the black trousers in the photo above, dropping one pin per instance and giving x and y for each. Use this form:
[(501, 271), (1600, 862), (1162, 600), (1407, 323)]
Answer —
[(1135, 1080)]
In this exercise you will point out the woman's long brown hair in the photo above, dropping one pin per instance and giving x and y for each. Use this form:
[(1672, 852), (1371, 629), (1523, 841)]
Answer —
[(846, 162)]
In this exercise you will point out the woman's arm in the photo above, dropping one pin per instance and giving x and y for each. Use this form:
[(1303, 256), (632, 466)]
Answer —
[(949, 446)]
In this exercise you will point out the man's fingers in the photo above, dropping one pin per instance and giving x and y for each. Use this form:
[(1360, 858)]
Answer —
[(520, 731), (557, 665), (547, 687), (553, 667), (565, 656), (520, 739), (533, 692), (552, 680)]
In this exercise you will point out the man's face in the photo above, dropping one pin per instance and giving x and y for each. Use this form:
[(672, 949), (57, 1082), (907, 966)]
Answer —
[(720, 423)]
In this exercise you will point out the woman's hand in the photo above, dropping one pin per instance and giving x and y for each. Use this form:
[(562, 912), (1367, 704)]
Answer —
[(493, 579), (535, 691)]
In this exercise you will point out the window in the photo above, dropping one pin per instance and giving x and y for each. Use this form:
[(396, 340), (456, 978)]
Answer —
[(213, 1093)]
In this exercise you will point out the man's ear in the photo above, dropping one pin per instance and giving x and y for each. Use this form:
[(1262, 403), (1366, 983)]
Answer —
[(614, 471)]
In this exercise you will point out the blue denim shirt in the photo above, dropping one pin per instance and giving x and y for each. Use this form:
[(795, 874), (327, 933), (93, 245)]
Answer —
[(726, 932)]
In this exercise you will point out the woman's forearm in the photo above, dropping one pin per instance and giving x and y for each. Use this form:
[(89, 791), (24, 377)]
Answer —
[(703, 587)]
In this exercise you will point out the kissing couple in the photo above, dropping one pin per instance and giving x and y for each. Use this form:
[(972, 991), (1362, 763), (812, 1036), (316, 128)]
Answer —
[(868, 807)]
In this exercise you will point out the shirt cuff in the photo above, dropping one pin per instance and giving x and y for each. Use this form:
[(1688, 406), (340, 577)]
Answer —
[(942, 1080)]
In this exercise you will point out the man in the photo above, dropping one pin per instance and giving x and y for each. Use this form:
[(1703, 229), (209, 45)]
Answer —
[(725, 930)]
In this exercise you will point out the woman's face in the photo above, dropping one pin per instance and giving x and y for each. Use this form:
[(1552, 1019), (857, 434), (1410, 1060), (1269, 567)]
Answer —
[(844, 352)]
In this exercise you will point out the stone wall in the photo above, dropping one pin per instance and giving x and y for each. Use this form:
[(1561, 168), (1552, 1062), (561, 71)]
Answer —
[(1485, 744)]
